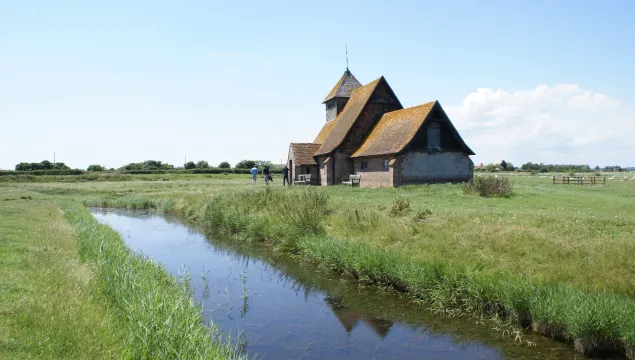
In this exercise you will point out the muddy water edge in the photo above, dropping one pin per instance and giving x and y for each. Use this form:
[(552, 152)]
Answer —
[(281, 308)]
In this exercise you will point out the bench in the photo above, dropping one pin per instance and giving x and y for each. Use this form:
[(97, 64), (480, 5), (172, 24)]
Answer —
[(303, 179), (352, 180)]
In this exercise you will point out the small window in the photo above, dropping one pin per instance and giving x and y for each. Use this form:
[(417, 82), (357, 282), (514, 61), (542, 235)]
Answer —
[(364, 165), (385, 164), (434, 137), (308, 170)]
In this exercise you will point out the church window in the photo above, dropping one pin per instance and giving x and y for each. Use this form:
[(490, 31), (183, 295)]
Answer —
[(434, 137)]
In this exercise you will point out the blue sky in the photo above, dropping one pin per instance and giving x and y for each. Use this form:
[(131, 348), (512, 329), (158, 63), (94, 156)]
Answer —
[(121, 81)]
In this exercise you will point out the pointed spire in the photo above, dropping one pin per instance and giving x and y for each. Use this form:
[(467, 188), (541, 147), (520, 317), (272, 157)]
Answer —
[(344, 87)]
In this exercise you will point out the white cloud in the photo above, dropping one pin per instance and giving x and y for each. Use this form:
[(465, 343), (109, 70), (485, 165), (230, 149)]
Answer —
[(552, 124)]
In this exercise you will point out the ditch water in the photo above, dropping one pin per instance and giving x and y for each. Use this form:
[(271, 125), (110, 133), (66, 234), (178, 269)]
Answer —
[(287, 310)]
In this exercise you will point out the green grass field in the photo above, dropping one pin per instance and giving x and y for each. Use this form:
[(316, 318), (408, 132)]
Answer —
[(571, 245)]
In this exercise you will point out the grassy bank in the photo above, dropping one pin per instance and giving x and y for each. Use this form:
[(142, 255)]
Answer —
[(157, 312), (305, 223), (49, 307)]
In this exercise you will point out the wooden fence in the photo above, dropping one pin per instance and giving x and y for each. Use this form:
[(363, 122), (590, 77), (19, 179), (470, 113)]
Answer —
[(579, 180)]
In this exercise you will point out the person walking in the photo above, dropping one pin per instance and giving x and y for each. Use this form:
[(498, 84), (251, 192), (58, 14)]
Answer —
[(254, 174), (285, 175), (265, 173)]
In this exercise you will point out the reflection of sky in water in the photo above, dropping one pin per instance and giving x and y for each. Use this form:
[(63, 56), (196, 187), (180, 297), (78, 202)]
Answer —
[(295, 312)]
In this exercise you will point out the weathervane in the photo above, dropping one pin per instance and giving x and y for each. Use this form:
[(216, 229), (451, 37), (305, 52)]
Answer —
[(346, 57)]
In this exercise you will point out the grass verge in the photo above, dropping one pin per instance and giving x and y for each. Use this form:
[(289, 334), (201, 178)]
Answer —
[(156, 311), (49, 307)]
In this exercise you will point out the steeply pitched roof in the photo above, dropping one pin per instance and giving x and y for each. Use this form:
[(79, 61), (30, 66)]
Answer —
[(396, 129), (326, 130), (303, 153), (345, 120), (344, 87)]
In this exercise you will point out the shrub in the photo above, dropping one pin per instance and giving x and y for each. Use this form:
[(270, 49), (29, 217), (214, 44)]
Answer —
[(400, 206), (489, 186), (202, 164), (245, 164), (95, 168)]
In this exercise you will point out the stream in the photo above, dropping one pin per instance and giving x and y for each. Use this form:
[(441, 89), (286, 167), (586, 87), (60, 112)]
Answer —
[(279, 308)]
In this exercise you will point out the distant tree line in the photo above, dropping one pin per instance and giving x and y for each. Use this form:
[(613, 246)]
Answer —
[(248, 164), (44, 165), (146, 167), (544, 168)]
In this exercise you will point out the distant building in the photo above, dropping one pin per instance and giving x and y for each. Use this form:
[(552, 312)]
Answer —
[(369, 133)]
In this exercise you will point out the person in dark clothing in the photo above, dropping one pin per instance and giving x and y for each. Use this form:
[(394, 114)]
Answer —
[(265, 174), (285, 175)]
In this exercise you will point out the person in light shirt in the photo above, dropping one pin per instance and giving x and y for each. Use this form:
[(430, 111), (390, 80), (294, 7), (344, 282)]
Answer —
[(254, 174)]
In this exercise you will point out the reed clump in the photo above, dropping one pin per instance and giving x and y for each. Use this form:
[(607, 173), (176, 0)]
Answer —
[(265, 215), (489, 186)]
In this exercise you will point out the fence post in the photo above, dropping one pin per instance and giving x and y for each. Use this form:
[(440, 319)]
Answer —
[(604, 177), (553, 180)]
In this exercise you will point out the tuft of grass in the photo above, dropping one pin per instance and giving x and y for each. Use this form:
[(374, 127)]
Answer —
[(156, 311), (400, 207), (489, 186)]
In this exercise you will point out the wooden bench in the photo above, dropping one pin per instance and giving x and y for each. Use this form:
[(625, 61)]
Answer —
[(352, 180), (303, 179)]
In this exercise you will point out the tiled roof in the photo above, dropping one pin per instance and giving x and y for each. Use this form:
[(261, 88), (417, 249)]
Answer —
[(303, 153), (344, 87), (396, 129), (345, 120), (326, 130)]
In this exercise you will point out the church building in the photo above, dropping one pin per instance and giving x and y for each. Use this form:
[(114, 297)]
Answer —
[(369, 133)]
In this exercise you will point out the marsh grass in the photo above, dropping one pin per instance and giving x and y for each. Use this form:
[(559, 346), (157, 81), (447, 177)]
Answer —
[(156, 311), (597, 317)]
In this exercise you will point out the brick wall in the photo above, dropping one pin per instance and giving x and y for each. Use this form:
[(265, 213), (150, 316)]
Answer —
[(422, 167), (375, 175)]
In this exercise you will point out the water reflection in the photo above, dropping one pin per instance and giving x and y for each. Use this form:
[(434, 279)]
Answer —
[(287, 309), (349, 317)]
